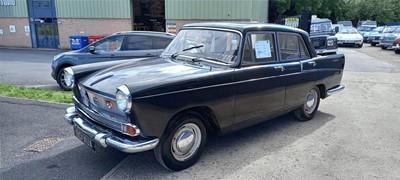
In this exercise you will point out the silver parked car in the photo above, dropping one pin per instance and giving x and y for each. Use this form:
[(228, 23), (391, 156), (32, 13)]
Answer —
[(388, 38), (375, 35)]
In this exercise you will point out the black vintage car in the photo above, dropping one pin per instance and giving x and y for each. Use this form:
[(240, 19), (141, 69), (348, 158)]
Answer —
[(213, 77)]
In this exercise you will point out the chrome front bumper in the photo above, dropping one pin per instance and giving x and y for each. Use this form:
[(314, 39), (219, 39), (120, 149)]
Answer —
[(105, 138), (334, 90)]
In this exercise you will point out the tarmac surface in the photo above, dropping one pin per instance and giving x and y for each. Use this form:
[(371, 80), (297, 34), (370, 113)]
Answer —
[(355, 135)]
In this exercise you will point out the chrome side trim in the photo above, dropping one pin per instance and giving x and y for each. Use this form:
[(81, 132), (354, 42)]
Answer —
[(105, 138), (334, 90), (322, 51)]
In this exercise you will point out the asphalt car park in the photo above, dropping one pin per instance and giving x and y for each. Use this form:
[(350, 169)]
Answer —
[(353, 136)]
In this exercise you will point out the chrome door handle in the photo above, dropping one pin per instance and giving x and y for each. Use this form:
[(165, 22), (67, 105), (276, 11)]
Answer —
[(313, 63), (280, 67)]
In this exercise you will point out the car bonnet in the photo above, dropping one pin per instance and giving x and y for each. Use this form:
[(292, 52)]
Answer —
[(145, 75)]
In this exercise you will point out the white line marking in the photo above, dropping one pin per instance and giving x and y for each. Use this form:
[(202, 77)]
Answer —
[(112, 171)]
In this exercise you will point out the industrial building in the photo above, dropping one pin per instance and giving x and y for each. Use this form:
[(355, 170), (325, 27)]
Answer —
[(50, 23)]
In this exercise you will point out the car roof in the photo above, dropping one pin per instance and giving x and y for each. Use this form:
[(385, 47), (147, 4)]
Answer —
[(245, 26), (147, 33)]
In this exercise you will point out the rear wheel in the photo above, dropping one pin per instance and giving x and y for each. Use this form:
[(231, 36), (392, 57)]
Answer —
[(61, 80), (310, 106), (397, 51), (373, 44), (384, 47), (182, 143)]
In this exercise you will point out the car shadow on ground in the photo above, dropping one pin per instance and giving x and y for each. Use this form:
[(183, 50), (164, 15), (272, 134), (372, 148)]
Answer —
[(226, 153)]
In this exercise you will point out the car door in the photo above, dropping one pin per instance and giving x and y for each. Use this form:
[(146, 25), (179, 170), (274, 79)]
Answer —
[(259, 83), (294, 56), (138, 46), (105, 50)]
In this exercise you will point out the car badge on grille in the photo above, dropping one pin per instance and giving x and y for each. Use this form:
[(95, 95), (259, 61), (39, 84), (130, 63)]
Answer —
[(109, 104), (96, 101)]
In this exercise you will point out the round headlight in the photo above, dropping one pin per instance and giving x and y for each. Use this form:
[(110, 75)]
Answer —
[(84, 96), (69, 77), (123, 98)]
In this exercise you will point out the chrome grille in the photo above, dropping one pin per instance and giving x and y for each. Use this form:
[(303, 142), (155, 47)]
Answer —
[(319, 42), (104, 110)]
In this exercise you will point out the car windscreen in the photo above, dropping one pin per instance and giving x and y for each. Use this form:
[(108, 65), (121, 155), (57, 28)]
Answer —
[(389, 29), (397, 30), (363, 28), (378, 29), (212, 45), (321, 27), (348, 31)]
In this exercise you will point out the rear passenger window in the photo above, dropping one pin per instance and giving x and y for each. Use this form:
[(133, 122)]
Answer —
[(292, 46), (259, 48), (139, 43), (161, 43)]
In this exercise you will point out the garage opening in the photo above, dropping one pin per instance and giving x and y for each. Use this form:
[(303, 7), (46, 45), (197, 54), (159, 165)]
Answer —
[(148, 15)]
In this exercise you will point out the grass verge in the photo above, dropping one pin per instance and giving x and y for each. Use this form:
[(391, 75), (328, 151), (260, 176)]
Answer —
[(35, 93)]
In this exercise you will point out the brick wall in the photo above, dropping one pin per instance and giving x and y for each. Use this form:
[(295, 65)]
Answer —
[(17, 39), (86, 27)]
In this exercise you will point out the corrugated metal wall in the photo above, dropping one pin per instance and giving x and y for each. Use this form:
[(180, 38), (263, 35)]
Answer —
[(19, 10), (217, 9), (93, 8)]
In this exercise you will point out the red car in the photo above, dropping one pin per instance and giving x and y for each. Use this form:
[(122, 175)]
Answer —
[(396, 45)]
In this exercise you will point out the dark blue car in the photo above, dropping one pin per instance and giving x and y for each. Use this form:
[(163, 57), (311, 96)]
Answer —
[(121, 45)]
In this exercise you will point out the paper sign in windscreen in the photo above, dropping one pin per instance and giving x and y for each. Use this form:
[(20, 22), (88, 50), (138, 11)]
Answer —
[(263, 49)]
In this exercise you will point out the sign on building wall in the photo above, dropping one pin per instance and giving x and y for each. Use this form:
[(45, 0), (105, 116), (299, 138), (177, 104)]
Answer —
[(7, 2), (27, 29), (12, 29), (171, 27)]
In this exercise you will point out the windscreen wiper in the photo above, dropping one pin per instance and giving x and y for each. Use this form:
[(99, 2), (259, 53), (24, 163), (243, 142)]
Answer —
[(187, 49), (193, 47), (173, 56)]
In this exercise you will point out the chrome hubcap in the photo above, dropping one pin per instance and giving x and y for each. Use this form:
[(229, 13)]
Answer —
[(62, 79), (186, 142), (311, 101)]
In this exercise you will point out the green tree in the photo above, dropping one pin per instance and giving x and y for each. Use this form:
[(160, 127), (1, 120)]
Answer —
[(382, 11)]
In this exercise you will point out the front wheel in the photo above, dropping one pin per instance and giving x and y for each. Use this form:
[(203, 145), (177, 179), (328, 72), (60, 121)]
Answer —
[(61, 80), (373, 44), (384, 47), (397, 51), (310, 106), (182, 143)]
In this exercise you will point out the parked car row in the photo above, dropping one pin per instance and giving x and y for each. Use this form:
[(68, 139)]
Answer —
[(387, 37)]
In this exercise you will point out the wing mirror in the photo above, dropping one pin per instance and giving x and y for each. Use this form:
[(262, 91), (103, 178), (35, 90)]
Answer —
[(337, 29), (92, 49)]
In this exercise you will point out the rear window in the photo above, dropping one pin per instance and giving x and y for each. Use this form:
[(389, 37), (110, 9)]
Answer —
[(161, 43), (139, 43), (292, 46)]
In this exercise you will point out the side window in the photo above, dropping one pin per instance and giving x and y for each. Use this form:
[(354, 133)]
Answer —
[(259, 48), (161, 43), (139, 43), (292, 46), (110, 44)]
